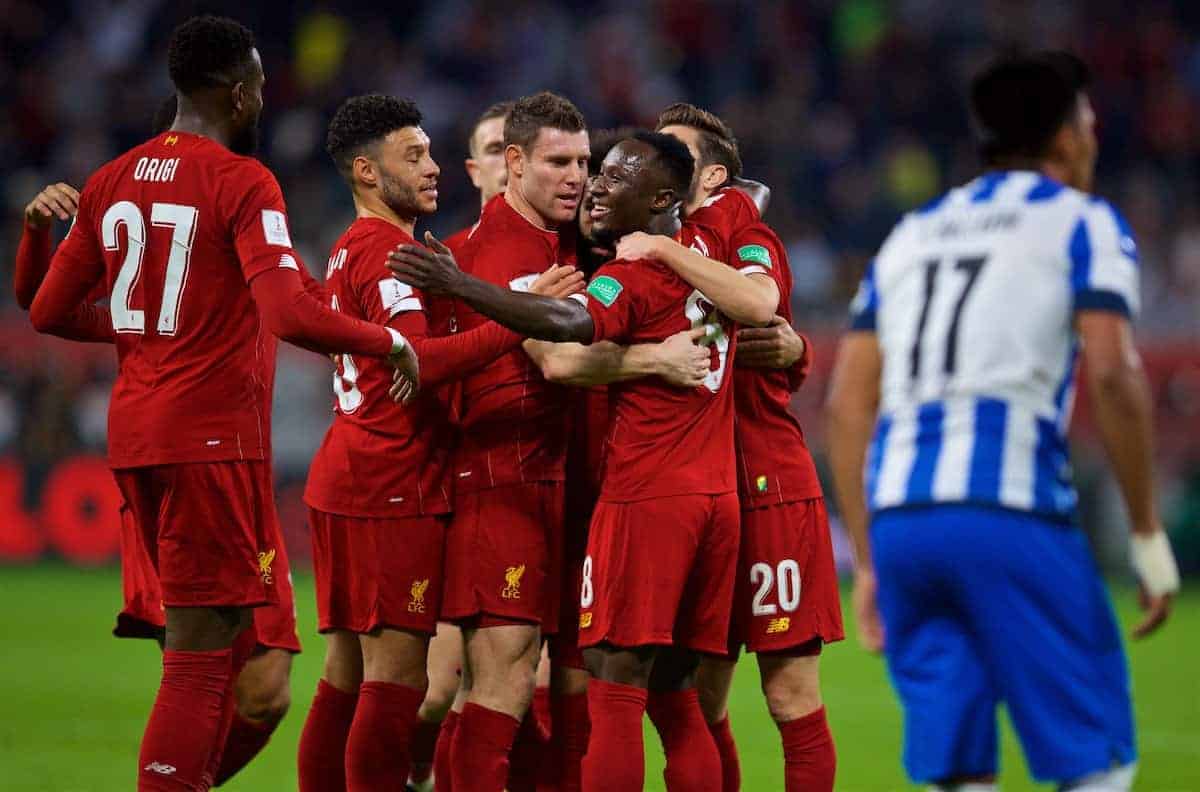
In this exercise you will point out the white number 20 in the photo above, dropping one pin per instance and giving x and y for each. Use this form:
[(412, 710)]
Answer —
[(788, 575), (716, 337), (182, 222)]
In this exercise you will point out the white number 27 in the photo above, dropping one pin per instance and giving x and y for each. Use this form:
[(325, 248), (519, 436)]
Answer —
[(182, 222)]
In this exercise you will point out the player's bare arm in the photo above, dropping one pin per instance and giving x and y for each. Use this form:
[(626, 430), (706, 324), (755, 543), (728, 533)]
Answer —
[(776, 346), (435, 271), (747, 299), (853, 400), (679, 360), (1125, 416), (33, 252)]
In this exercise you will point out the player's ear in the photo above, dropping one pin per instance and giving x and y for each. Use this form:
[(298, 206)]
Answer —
[(514, 159), (713, 176), (663, 200), (238, 97), (364, 171), (473, 172)]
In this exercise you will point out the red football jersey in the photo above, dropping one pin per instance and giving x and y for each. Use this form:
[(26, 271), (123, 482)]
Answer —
[(664, 440), (710, 228), (774, 463), (514, 422), (591, 418), (176, 228), (378, 459)]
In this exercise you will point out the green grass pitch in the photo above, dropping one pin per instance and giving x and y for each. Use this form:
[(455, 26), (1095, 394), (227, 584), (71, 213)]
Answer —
[(76, 699)]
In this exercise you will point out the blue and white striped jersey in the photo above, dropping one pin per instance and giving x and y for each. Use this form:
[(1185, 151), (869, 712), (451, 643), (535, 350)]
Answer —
[(972, 299)]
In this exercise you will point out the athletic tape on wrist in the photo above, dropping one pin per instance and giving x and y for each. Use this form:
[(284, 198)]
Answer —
[(1155, 563)]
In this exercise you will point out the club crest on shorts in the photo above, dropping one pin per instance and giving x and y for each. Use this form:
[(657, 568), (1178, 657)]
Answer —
[(512, 580), (417, 596), (585, 620), (265, 559), (780, 625)]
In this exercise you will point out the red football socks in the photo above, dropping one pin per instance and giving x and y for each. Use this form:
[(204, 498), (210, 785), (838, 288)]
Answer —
[(441, 754), (692, 758), (422, 747), (731, 768), (240, 652), (527, 755), (246, 739), (569, 739), (809, 758), (322, 753), (541, 710), (186, 721), (479, 753), (616, 757), (377, 751)]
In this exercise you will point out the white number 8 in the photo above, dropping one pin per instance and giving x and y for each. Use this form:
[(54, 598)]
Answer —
[(716, 337), (587, 593), (763, 576)]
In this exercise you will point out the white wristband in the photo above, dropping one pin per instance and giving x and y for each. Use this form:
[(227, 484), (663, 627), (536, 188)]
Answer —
[(399, 342), (1155, 563)]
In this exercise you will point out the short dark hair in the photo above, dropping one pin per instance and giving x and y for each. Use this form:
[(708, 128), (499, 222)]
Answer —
[(602, 142), (673, 155), (531, 114), (207, 51), (498, 110), (1020, 101), (362, 121), (718, 146)]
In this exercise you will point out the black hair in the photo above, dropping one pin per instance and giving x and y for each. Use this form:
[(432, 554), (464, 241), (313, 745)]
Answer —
[(1019, 102), (602, 142), (677, 162), (364, 120), (208, 51), (530, 114)]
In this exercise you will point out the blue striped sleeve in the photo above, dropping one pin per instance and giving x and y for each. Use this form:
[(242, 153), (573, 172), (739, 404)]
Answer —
[(866, 302), (1104, 262)]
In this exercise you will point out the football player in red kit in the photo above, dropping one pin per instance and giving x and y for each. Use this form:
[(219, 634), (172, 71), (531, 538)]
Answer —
[(658, 576), (190, 237), (379, 487), (486, 165), (786, 603)]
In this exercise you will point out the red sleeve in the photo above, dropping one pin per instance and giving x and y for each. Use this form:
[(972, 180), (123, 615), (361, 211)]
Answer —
[(314, 287), (798, 373), (60, 306), (454, 357), (33, 259), (293, 314), (756, 249), (514, 262), (612, 302), (259, 223)]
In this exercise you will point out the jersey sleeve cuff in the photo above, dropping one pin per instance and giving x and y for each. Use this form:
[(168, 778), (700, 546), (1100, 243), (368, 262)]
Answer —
[(399, 342), (863, 321), (1102, 300)]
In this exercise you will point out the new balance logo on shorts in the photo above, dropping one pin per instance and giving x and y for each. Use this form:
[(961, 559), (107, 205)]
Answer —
[(160, 768), (780, 625), (585, 620)]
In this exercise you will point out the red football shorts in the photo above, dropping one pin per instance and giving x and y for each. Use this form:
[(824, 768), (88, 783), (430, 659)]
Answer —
[(786, 597), (206, 528), (374, 572), (143, 617), (504, 555), (660, 572)]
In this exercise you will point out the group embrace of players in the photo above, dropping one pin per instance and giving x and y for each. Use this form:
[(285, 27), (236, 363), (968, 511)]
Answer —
[(552, 430), (568, 427)]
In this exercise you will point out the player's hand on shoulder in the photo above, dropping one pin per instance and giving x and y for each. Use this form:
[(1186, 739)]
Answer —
[(1158, 577), (775, 346), (431, 269), (59, 200), (640, 245), (406, 378), (681, 359), (866, 610), (558, 282)]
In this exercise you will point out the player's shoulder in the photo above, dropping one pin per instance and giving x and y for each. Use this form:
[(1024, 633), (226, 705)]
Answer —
[(727, 206)]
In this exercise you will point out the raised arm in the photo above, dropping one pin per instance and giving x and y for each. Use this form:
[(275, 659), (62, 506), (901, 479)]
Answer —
[(33, 251), (434, 270), (678, 360), (851, 407), (749, 299), (1125, 417)]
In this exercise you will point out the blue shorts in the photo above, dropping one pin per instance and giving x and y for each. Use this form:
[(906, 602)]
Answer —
[(982, 606)]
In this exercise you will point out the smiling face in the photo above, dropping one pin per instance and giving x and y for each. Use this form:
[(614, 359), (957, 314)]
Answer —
[(406, 174), (550, 176), (627, 193)]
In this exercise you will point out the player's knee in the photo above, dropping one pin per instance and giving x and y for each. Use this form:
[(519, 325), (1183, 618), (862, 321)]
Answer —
[(266, 699), (792, 690), (439, 697)]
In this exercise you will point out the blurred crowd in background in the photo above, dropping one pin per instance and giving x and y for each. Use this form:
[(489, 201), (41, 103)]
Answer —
[(853, 112)]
